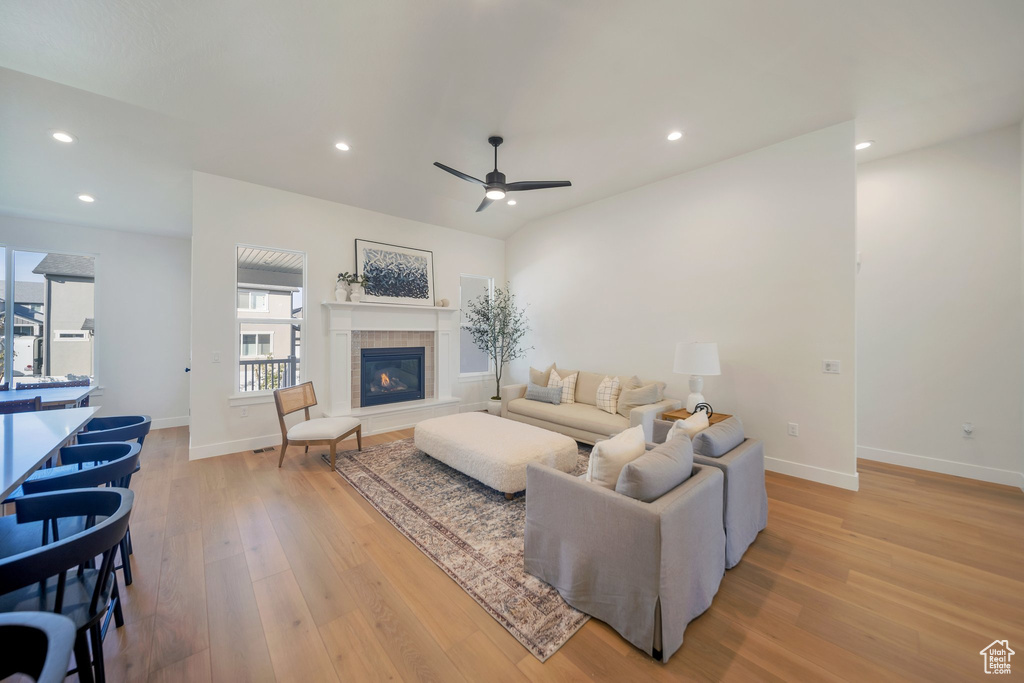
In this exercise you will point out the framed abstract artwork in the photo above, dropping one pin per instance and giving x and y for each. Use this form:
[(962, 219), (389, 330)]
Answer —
[(396, 275)]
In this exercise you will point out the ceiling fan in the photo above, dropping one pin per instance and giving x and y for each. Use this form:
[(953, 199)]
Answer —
[(495, 187)]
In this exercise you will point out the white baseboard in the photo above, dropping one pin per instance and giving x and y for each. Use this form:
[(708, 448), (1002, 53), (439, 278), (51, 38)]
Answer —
[(957, 469), (226, 447), (167, 422), (851, 482)]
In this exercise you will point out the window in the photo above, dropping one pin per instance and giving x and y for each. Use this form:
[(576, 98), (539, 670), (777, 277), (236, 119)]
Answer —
[(49, 300), (257, 344), (253, 301), (472, 361), (269, 290)]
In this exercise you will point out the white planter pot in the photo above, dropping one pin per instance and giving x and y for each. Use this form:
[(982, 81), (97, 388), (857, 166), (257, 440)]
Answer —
[(357, 290), (494, 407)]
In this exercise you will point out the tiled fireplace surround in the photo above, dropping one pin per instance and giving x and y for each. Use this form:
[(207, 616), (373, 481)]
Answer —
[(383, 339)]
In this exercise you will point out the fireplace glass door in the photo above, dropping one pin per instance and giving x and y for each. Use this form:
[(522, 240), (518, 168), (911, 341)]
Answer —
[(391, 375)]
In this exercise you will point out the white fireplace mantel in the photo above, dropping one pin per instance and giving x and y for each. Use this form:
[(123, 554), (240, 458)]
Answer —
[(345, 318)]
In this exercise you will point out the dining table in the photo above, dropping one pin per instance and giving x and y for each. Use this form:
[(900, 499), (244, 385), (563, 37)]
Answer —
[(50, 397), (30, 439)]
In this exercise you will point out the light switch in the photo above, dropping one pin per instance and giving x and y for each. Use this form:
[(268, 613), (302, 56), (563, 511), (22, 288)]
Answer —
[(216, 356), (830, 366)]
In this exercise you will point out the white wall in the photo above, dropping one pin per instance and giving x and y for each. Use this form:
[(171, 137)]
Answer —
[(755, 253), (939, 308), (227, 212), (142, 313)]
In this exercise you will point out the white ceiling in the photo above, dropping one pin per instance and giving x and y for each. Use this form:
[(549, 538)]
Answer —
[(584, 90)]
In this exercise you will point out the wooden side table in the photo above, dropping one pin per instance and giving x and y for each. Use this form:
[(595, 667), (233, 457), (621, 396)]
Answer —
[(682, 414)]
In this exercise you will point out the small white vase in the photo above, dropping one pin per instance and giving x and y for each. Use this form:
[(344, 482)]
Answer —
[(493, 407), (340, 294)]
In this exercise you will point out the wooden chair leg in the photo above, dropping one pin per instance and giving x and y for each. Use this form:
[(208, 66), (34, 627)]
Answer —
[(334, 449), (359, 437), (284, 447), (307, 448)]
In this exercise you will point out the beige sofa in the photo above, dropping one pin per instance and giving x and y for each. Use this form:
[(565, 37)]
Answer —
[(581, 420)]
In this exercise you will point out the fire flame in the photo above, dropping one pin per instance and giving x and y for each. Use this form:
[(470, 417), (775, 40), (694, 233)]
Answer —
[(384, 380)]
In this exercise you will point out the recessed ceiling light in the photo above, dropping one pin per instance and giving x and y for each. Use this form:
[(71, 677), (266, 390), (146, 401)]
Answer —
[(87, 198), (511, 202), (675, 135), (62, 136), (342, 146), (864, 145)]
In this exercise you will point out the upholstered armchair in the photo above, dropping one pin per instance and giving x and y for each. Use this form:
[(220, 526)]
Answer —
[(646, 569)]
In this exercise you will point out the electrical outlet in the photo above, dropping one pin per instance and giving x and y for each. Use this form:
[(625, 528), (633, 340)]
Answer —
[(830, 366), (968, 428), (216, 356), (794, 429), (245, 411)]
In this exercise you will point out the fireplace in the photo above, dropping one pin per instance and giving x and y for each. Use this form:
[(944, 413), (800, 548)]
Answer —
[(391, 375)]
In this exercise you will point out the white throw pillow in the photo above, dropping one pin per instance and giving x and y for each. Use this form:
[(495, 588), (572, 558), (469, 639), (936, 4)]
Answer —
[(609, 456), (608, 394), (568, 385), (691, 426)]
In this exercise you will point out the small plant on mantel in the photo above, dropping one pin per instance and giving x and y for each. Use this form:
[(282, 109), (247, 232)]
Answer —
[(498, 328), (353, 279)]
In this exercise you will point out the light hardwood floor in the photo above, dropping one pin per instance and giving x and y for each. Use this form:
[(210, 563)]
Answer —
[(244, 571)]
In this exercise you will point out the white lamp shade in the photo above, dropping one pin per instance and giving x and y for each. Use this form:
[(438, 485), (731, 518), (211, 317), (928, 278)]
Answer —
[(697, 358)]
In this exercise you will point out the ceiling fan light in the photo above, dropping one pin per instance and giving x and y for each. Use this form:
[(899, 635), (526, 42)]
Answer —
[(495, 193)]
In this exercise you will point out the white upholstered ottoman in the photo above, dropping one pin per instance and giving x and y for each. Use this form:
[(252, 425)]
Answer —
[(493, 450)]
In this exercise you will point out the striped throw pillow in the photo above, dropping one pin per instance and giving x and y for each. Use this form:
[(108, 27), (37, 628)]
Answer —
[(608, 394), (568, 385)]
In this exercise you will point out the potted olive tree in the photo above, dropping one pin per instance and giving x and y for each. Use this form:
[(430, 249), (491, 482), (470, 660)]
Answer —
[(498, 327)]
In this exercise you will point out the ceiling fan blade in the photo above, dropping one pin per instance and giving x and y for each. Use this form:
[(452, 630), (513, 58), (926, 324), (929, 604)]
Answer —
[(536, 185), (484, 204), (458, 173)]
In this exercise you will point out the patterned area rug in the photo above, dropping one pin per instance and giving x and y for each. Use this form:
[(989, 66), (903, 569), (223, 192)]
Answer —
[(471, 532)]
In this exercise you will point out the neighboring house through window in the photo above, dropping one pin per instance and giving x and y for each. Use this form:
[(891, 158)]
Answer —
[(269, 290), (472, 361)]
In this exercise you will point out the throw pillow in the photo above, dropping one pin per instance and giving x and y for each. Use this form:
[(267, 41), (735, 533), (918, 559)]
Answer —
[(552, 395), (609, 456), (608, 394), (632, 398), (719, 439), (586, 386), (567, 384), (691, 426), (540, 377), (657, 471)]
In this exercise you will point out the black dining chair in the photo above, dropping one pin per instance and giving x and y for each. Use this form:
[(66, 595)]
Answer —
[(64, 576), (116, 428), (85, 466), (21, 405), (36, 644)]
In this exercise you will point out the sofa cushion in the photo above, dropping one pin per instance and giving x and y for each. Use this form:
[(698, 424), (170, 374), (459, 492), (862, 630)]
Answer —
[(577, 415), (551, 395), (541, 377), (632, 398), (609, 456), (586, 387), (719, 439), (657, 471), (608, 395), (567, 383)]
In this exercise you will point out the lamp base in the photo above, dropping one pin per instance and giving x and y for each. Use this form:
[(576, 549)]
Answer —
[(692, 400)]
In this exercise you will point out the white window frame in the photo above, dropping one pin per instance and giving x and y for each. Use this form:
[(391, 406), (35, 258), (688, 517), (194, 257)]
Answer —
[(242, 333), (237, 397), (72, 335), (8, 259), (489, 372), (250, 292)]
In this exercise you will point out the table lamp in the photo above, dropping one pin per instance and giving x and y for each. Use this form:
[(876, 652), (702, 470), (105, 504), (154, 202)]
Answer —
[(696, 359)]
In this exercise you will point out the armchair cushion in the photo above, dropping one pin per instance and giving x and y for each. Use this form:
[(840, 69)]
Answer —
[(322, 428), (657, 471), (719, 439), (611, 455), (691, 426)]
